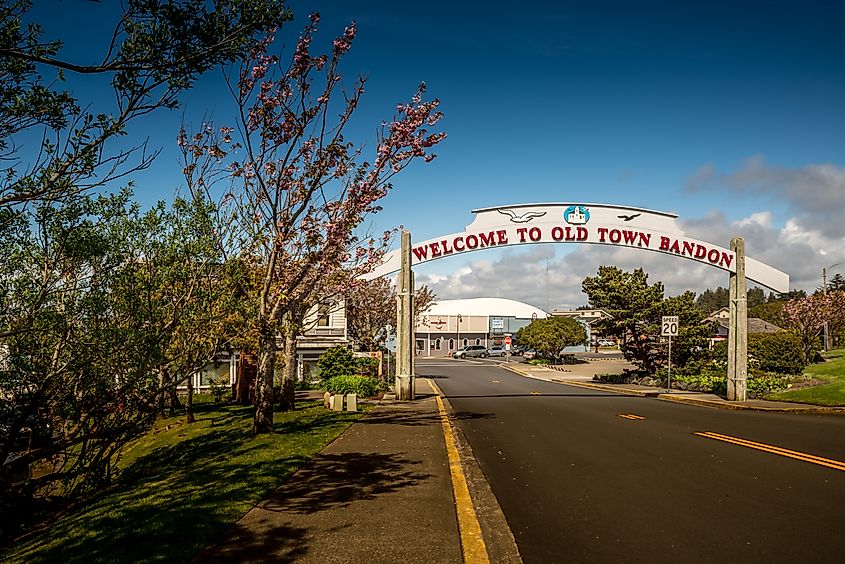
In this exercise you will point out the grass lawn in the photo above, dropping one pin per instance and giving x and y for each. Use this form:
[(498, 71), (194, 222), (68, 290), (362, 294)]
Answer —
[(183, 485), (830, 394)]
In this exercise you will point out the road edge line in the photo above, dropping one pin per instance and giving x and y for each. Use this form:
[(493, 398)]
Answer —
[(472, 541), (815, 410)]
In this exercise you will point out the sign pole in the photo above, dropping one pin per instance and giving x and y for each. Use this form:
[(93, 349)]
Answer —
[(669, 328), (669, 370)]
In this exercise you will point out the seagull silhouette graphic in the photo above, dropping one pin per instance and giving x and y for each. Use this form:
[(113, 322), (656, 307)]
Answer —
[(524, 218)]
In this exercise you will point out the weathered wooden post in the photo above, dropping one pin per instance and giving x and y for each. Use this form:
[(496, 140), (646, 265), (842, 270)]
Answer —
[(738, 330), (404, 319)]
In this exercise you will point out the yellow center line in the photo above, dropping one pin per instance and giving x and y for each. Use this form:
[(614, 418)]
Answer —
[(472, 541), (536, 393), (631, 416), (827, 462)]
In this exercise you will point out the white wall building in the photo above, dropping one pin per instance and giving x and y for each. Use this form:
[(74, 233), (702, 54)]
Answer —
[(447, 325)]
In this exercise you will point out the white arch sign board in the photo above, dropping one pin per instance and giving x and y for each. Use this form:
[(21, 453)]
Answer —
[(601, 224)]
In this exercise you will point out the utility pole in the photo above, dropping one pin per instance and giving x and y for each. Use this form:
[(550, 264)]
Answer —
[(547, 285), (827, 343), (738, 332), (405, 328)]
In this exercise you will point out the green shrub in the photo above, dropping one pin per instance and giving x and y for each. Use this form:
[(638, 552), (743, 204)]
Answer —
[(536, 361), (761, 384), (219, 388), (335, 362), (366, 366), (363, 386), (781, 353)]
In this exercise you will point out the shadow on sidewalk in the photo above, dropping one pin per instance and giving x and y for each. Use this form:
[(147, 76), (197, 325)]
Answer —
[(335, 480), (262, 541), (329, 484)]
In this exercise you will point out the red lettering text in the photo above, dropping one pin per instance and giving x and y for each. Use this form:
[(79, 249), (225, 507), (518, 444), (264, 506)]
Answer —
[(421, 253)]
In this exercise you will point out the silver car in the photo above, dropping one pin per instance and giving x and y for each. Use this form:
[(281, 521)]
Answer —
[(471, 351), (497, 351)]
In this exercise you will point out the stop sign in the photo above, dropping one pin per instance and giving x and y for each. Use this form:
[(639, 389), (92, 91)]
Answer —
[(507, 340)]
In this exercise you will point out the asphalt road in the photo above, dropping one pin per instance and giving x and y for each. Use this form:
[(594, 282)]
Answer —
[(579, 483)]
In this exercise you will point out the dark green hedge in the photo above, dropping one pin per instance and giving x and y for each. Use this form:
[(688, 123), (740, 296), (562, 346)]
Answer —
[(780, 352)]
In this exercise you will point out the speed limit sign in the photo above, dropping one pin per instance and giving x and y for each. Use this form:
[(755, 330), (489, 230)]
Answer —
[(669, 326)]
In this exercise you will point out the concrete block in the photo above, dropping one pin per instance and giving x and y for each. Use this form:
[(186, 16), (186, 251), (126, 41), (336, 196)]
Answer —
[(351, 402), (327, 400), (337, 402)]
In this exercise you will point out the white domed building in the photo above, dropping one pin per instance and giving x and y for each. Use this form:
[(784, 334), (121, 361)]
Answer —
[(447, 325)]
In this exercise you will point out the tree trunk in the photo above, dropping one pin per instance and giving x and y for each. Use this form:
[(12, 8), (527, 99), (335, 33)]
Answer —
[(189, 401), (162, 395), (174, 400), (263, 421), (287, 397), (245, 383)]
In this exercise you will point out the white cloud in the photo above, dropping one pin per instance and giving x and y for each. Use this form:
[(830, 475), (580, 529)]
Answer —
[(815, 193)]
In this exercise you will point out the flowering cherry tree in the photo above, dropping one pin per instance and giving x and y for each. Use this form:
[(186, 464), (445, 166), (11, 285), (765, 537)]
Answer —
[(293, 191), (371, 307), (807, 316)]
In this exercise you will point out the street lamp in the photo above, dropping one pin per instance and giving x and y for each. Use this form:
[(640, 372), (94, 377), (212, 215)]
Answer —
[(458, 344), (824, 289)]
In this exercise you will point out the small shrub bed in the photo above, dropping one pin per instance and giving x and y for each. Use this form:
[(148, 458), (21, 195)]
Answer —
[(701, 377), (537, 361), (362, 386)]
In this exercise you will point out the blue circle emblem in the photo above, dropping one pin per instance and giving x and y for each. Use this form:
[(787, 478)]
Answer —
[(576, 215)]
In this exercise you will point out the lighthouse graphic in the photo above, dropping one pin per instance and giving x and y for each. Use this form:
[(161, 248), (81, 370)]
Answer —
[(576, 215)]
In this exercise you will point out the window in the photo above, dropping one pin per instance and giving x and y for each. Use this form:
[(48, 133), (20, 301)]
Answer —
[(437, 344), (451, 344), (323, 315), (466, 342), (478, 341)]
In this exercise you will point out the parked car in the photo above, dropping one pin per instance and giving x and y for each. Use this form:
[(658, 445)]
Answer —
[(607, 343), (517, 350), (529, 354), (497, 351), (471, 351)]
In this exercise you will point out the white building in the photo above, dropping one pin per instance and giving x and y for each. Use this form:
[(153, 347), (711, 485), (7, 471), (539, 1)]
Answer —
[(447, 325)]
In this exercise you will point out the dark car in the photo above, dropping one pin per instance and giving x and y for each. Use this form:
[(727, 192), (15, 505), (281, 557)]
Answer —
[(470, 351)]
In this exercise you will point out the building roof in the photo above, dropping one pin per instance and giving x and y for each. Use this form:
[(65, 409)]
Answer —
[(755, 325), (492, 307)]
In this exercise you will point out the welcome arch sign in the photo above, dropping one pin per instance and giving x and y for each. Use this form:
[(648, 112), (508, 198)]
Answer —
[(601, 224)]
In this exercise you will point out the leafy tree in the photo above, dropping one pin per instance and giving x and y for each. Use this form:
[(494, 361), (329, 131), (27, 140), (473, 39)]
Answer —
[(712, 300), (756, 297), (771, 312), (635, 307), (551, 335), (693, 333), (301, 189), (122, 299), (101, 307)]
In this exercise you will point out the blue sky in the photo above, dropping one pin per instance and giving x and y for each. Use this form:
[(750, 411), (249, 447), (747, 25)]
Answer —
[(727, 113)]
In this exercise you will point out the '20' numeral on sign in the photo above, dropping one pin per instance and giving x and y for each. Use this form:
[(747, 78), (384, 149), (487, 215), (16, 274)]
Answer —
[(669, 326)]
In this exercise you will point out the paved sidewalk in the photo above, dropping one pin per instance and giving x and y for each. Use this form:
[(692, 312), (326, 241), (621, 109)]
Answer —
[(696, 398), (379, 493)]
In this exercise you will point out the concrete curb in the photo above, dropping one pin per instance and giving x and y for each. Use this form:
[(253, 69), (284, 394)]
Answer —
[(817, 410)]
